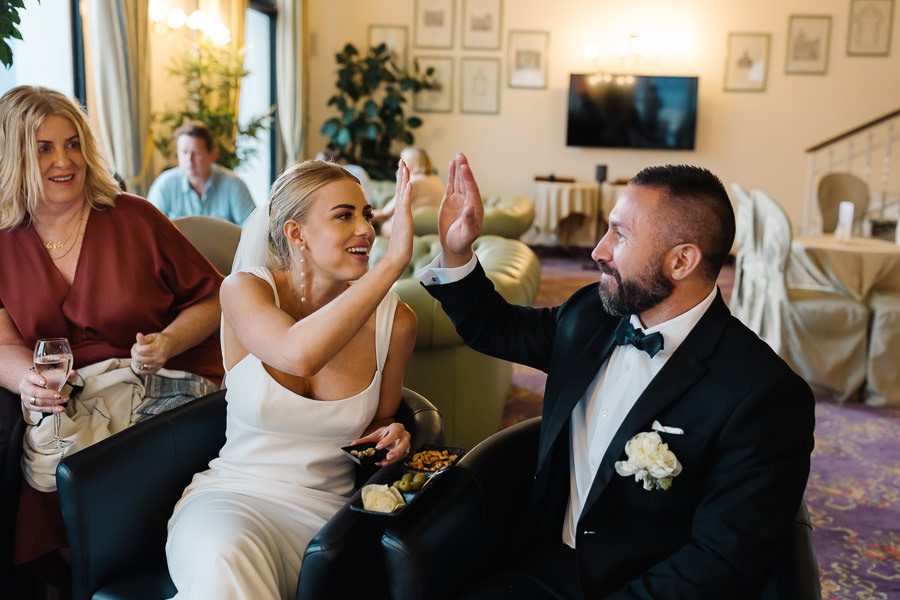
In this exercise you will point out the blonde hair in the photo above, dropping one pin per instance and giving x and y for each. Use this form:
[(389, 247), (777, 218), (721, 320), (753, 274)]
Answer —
[(417, 160), (22, 111), (289, 200)]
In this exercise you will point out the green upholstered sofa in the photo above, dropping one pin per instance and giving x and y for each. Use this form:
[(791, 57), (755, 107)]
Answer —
[(467, 387), (507, 215)]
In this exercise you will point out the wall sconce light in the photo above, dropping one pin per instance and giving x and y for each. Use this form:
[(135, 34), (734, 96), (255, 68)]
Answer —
[(636, 51), (165, 20)]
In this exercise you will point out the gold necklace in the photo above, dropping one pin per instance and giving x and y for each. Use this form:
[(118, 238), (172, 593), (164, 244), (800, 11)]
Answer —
[(62, 244), (75, 242)]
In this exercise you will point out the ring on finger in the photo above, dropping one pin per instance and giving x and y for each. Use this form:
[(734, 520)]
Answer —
[(144, 367), (33, 400)]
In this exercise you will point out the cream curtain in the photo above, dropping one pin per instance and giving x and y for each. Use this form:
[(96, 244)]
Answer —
[(290, 62), (121, 84)]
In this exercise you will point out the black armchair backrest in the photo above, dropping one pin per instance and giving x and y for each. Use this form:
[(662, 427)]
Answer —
[(117, 495)]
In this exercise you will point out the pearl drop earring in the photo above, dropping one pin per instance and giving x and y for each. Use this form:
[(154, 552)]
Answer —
[(302, 277)]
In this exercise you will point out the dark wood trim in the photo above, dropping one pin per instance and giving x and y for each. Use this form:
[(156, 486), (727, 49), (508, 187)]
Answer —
[(80, 85), (854, 131)]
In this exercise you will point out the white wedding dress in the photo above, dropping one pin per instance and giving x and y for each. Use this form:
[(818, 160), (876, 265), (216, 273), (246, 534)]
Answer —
[(240, 529)]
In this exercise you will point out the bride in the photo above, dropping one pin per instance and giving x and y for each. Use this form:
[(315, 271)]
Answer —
[(315, 345)]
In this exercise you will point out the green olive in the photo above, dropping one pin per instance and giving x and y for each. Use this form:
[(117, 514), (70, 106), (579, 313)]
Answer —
[(407, 477), (403, 486)]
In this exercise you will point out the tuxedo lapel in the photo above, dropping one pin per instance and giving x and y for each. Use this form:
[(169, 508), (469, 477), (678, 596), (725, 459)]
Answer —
[(584, 367), (680, 373)]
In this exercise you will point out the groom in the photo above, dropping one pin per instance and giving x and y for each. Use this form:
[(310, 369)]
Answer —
[(675, 444)]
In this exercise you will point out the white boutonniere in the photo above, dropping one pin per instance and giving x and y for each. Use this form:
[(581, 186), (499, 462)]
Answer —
[(650, 461)]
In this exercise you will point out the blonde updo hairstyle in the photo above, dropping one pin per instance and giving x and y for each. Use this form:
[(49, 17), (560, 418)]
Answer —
[(22, 111), (417, 160), (289, 199)]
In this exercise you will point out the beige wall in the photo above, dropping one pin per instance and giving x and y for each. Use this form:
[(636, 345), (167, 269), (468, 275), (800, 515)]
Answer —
[(755, 139)]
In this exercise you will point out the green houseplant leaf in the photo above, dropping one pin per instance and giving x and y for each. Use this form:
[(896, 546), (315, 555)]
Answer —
[(211, 75), (371, 127)]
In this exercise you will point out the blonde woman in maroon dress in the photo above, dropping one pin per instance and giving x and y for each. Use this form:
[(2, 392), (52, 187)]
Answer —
[(84, 261)]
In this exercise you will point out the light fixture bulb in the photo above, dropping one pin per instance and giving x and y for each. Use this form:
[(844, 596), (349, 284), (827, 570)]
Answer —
[(177, 18), (591, 50), (157, 10), (197, 20)]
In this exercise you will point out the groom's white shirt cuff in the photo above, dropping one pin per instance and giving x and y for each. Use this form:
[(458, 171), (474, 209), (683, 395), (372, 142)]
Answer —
[(435, 273)]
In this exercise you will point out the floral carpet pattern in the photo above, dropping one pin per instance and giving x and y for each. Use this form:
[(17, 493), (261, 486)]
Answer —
[(853, 492), (853, 496)]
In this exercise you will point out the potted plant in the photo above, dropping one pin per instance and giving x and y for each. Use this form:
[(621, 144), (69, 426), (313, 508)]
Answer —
[(211, 75), (9, 21), (371, 126)]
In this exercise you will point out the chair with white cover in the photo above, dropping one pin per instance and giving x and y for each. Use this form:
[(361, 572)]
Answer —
[(747, 261), (835, 188), (883, 364), (821, 334)]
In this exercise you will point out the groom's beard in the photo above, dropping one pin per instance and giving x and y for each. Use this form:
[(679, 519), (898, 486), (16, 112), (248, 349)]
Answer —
[(637, 295)]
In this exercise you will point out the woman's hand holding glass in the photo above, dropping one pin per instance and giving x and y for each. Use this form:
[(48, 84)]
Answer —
[(53, 363), (394, 437)]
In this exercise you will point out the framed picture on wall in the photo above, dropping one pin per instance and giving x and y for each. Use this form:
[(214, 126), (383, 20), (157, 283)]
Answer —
[(392, 36), (747, 62), (527, 62), (480, 85), (808, 44), (481, 24), (434, 23), (869, 27), (439, 99)]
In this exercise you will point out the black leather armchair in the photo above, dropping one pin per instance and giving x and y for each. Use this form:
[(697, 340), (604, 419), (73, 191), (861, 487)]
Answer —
[(470, 513), (117, 497), (12, 431)]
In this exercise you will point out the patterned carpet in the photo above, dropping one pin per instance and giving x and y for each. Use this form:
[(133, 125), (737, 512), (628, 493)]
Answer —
[(853, 493)]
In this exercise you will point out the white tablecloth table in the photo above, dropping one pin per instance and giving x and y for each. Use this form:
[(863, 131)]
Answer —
[(855, 267), (565, 214)]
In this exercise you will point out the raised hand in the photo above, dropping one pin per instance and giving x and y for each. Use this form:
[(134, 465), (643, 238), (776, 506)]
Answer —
[(400, 245), (461, 215)]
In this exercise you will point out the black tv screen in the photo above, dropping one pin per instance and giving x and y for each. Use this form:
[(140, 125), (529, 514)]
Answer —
[(632, 111)]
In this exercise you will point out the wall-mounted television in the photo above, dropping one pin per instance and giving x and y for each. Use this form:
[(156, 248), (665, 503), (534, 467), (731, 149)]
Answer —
[(632, 111)]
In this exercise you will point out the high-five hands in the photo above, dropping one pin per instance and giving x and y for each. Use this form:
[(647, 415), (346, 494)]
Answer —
[(400, 245), (461, 215)]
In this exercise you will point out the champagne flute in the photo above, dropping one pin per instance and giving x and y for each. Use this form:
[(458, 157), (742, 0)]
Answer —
[(53, 361)]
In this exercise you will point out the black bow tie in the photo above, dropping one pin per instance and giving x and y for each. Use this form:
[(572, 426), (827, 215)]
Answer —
[(627, 334)]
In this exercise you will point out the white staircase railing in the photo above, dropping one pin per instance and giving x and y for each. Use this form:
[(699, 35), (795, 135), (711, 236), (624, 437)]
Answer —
[(867, 151)]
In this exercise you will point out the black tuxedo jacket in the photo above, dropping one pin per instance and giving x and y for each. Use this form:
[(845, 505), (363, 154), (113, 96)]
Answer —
[(748, 433)]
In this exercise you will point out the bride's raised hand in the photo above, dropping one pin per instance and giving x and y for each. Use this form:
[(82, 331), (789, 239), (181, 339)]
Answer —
[(401, 239), (461, 214)]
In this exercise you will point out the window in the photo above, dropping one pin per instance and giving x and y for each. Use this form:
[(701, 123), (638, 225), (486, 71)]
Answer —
[(44, 56), (257, 96)]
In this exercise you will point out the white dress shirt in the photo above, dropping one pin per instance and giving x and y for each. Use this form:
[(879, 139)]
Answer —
[(608, 399)]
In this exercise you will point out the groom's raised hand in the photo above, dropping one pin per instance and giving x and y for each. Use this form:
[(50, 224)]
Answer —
[(461, 215)]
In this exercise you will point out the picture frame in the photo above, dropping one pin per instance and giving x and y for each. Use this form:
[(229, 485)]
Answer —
[(747, 62), (434, 23), (440, 99), (479, 85), (869, 27), (808, 45), (526, 65), (482, 22), (395, 37)]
